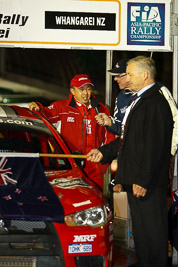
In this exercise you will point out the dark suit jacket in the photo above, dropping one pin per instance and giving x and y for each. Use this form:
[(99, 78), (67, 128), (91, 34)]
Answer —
[(145, 156)]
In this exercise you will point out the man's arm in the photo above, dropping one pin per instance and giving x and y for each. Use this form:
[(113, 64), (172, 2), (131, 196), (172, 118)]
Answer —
[(138, 191), (104, 154), (50, 112), (94, 155), (103, 119), (174, 111), (158, 127), (113, 123)]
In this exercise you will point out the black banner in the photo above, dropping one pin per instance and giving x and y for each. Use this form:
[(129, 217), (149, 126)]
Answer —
[(80, 21)]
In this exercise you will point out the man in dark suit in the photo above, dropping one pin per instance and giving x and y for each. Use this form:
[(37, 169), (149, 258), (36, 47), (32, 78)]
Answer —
[(143, 162)]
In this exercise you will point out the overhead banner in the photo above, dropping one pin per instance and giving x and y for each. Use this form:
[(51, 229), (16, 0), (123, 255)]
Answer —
[(87, 24)]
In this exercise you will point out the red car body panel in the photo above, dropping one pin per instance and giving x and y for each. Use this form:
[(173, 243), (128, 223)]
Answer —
[(76, 198)]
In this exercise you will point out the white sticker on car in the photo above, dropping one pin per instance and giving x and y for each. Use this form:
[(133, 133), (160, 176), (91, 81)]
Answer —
[(80, 248), (84, 238), (11, 121), (66, 183), (81, 203)]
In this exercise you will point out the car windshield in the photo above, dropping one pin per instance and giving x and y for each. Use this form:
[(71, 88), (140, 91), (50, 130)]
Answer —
[(32, 136)]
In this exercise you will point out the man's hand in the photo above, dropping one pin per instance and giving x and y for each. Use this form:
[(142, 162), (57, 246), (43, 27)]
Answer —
[(103, 119), (113, 187), (117, 188), (94, 155), (34, 106), (138, 191)]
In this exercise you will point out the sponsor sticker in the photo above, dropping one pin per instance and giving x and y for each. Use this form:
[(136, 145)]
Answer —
[(80, 248), (70, 119), (19, 121), (67, 183), (81, 203), (146, 24), (84, 238)]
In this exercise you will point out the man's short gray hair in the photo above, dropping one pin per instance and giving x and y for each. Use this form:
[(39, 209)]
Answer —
[(144, 63)]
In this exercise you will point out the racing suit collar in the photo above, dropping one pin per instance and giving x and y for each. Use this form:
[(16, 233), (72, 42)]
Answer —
[(82, 105), (72, 101)]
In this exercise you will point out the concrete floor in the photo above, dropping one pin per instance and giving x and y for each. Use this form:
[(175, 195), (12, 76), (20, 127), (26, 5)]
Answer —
[(124, 256)]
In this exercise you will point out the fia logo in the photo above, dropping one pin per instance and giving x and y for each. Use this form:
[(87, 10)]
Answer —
[(147, 14)]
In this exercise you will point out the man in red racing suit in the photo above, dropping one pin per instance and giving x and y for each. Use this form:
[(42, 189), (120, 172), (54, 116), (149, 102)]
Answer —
[(74, 119)]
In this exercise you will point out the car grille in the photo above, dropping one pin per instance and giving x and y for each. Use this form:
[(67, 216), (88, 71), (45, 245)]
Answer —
[(18, 261), (24, 261), (28, 238), (27, 226)]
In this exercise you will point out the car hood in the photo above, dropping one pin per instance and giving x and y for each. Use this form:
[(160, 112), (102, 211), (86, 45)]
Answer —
[(74, 191)]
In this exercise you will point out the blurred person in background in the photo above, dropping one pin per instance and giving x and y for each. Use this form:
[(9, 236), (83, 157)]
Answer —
[(113, 123)]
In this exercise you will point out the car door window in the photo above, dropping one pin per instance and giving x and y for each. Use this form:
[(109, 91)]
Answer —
[(34, 142)]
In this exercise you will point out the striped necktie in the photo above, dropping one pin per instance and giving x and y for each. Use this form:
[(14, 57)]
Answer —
[(132, 99), (123, 125)]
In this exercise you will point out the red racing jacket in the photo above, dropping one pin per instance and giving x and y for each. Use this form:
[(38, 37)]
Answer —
[(70, 122)]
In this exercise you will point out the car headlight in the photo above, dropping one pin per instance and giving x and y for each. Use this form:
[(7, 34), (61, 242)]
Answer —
[(94, 217)]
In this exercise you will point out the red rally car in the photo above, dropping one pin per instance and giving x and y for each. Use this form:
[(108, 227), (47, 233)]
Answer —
[(77, 228)]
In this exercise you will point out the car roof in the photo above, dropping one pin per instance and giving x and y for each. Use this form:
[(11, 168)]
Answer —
[(23, 118), (15, 111)]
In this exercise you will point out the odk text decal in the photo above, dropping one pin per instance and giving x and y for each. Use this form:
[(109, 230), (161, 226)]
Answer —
[(80, 21), (15, 19), (146, 24)]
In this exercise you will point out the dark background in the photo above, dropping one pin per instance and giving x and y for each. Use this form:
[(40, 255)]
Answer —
[(58, 66)]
